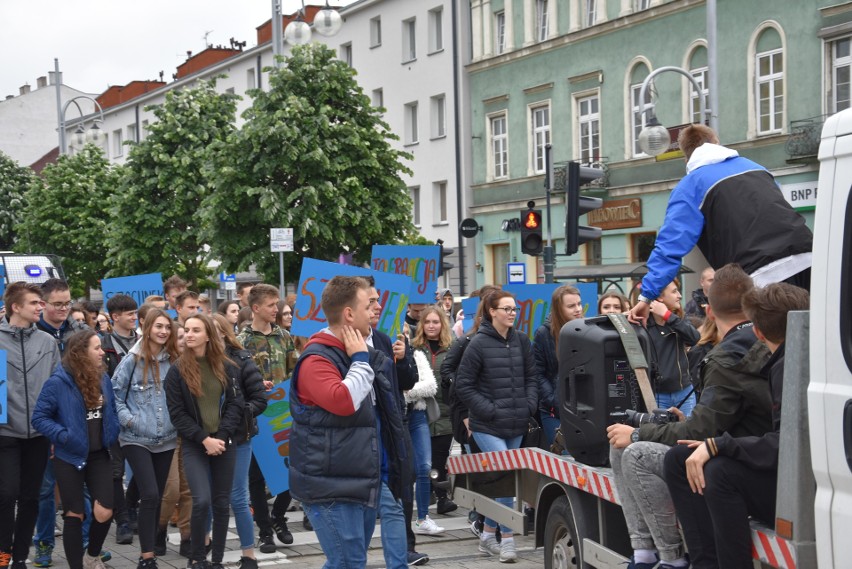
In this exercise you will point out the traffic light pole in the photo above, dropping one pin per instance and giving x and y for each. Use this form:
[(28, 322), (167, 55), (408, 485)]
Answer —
[(549, 257)]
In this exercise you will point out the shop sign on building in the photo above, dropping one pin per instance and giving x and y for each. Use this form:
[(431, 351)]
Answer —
[(617, 214)]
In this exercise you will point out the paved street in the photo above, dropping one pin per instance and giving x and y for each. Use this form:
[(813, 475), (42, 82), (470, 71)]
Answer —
[(457, 547)]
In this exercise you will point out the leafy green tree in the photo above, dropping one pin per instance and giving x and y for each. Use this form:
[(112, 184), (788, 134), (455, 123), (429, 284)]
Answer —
[(158, 226), (66, 214), (314, 155), (14, 181)]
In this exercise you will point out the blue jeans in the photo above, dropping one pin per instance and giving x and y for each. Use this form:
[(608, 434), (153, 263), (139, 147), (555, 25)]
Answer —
[(490, 443), (421, 439), (666, 400), (46, 521), (344, 531), (394, 546), (549, 425), (240, 496)]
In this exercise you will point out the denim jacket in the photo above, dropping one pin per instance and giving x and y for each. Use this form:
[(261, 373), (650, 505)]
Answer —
[(142, 409)]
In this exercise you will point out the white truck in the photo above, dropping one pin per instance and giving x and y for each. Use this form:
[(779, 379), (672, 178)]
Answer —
[(577, 517)]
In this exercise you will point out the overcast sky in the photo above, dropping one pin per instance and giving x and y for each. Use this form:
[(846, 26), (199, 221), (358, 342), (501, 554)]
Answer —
[(112, 42)]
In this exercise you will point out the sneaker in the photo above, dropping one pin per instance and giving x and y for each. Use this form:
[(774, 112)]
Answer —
[(267, 544), (133, 519), (507, 552), (306, 523), (124, 534), (476, 527), (489, 545), (5, 559), (92, 562), (105, 555), (279, 525), (415, 558), (427, 527), (43, 555), (149, 563), (445, 506), (19, 564), (247, 563), (160, 542), (185, 548), (633, 564), (204, 564)]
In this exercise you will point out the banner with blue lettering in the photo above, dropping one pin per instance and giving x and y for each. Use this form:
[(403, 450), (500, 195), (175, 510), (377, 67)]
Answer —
[(308, 317), (271, 445), (533, 302), (139, 287), (420, 262), (469, 306)]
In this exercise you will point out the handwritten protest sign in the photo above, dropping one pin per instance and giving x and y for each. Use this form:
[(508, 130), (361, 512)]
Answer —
[(533, 302), (139, 287), (271, 445), (420, 262), (308, 317)]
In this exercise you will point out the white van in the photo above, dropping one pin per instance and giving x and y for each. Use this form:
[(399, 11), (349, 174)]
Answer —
[(29, 268)]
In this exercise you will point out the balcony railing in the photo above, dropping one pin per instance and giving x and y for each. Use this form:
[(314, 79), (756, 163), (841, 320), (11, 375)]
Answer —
[(804, 137)]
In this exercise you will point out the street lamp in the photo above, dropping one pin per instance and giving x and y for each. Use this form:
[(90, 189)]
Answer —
[(81, 135), (654, 138), (298, 32)]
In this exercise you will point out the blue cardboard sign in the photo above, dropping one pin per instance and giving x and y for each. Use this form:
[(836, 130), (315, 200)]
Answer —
[(271, 445), (4, 389), (469, 306), (308, 317), (420, 262), (533, 302), (139, 287)]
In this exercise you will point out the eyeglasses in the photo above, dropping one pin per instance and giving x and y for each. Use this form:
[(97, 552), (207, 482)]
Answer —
[(60, 305), (508, 309)]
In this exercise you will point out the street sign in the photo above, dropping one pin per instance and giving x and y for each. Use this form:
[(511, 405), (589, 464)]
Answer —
[(516, 273), (227, 277), (469, 227), (281, 239)]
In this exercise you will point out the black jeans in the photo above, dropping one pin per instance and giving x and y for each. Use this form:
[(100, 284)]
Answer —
[(150, 471), (257, 497), (716, 525), (210, 479), (440, 453), (22, 463)]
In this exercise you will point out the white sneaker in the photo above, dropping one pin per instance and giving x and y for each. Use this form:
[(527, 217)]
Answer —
[(489, 545), (507, 552), (90, 562), (427, 527)]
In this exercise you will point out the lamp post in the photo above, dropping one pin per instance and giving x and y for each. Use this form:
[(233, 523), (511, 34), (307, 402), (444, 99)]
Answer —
[(82, 136), (654, 138), (327, 23)]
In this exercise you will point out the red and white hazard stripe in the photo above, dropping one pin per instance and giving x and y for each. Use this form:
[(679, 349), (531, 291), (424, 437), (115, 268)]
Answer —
[(771, 549)]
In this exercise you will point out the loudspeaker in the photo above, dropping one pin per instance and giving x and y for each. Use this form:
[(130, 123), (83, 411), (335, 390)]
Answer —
[(596, 386)]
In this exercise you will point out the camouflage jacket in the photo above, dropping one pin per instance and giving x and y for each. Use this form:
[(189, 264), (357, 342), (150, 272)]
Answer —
[(272, 353)]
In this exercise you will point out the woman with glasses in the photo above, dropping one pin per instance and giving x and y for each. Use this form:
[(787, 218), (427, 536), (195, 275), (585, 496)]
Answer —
[(497, 381)]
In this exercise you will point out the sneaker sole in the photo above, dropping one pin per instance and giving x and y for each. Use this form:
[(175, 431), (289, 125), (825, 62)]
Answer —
[(483, 549), (509, 560), (421, 532)]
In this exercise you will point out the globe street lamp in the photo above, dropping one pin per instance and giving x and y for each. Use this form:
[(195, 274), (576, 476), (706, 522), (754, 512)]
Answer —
[(654, 138), (327, 22), (81, 135)]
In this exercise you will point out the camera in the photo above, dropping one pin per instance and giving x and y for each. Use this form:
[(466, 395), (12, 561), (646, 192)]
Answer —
[(656, 417)]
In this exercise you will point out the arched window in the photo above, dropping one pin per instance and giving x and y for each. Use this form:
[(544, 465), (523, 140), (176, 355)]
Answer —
[(768, 101), (697, 66), (636, 75)]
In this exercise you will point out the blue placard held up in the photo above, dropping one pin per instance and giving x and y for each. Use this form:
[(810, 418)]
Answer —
[(420, 262), (4, 389), (139, 287), (271, 445), (533, 301), (469, 306)]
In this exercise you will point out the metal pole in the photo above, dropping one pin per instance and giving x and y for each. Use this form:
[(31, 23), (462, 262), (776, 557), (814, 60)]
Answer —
[(649, 107), (712, 67), (277, 32), (281, 287), (60, 116), (548, 182)]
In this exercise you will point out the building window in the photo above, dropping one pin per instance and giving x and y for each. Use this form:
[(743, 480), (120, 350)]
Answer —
[(439, 201), (499, 146), (594, 255), (409, 40), (499, 32), (639, 5), (700, 75), (411, 131), (415, 204), (439, 116), (117, 143), (378, 98), (770, 91), (641, 245), (250, 79), (590, 12), (588, 111), (131, 133), (637, 116), (841, 74), (436, 29), (376, 31), (345, 53), (541, 20), (540, 122), (229, 90), (500, 258)]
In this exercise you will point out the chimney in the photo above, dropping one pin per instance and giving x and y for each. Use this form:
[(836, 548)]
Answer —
[(52, 76), (41, 82), (10, 97), (25, 88)]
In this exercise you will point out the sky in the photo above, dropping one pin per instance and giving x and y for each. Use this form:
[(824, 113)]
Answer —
[(101, 43)]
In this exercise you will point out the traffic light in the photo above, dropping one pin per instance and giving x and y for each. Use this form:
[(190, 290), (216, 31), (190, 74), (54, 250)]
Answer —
[(576, 205), (444, 265), (531, 240)]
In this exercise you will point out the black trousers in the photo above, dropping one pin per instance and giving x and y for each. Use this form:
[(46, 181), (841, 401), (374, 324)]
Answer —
[(257, 497), (440, 453), (150, 471), (716, 525), (22, 464), (210, 479)]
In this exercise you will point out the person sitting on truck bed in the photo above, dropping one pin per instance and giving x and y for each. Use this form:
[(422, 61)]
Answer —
[(714, 498), (735, 398)]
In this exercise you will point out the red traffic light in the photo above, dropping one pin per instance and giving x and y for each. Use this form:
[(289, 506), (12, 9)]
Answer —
[(532, 220)]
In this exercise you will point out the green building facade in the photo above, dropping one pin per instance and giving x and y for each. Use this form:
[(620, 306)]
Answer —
[(568, 73)]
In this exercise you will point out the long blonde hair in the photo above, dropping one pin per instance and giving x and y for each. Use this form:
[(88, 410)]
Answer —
[(215, 354), (444, 339)]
